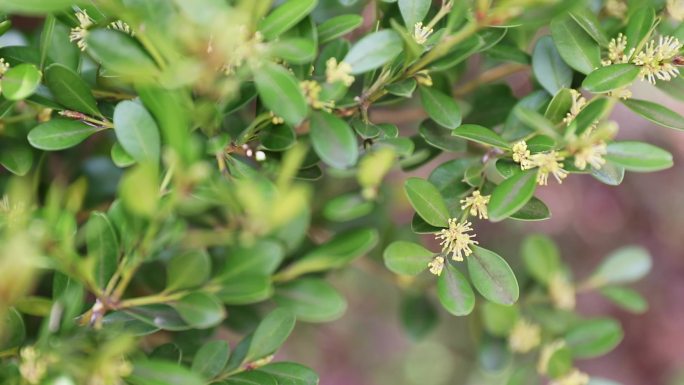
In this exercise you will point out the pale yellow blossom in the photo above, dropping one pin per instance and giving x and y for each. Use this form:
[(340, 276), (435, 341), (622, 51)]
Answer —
[(476, 203), (655, 59), (591, 154), (456, 240), (341, 72), (312, 91), (616, 8), (616, 51), (562, 292), (676, 9), (521, 154), (578, 103), (78, 34), (436, 265), (421, 33), (524, 336), (548, 163)]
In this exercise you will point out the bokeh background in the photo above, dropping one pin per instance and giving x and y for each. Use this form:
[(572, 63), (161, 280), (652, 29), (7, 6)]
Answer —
[(589, 220)]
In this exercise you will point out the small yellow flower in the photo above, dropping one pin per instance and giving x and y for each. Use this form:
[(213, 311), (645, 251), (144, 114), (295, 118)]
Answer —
[(275, 119), (477, 204), (575, 377), (335, 72), (655, 59), (521, 154), (616, 51), (562, 292), (33, 367), (436, 265), (78, 34), (676, 9), (616, 8), (591, 154), (423, 78), (122, 26), (4, 66), (524, 336), (312, 92), (545, 356), (578, 103), (548, 163), (456, 240), (623, 93), (420, 33)]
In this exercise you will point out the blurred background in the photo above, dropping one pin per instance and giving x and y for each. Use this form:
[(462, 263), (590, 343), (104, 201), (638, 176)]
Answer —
[(589, 220)]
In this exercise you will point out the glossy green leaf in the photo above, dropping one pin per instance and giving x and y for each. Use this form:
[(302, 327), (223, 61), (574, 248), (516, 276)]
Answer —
[(541, 257), (200, 310), (407, 258), (337, 26), (211, 358), (586, 19), (594, 338), (120, 53), (20, 82), (625, 265), (440, 107), (17, 158), (103, 246), (511, 195), (280, 92), (270, 334), (656, 113), (625, 298), (187, 270), (35, 6), (454, 292), (347, 207), (284, 17), (548, 66), (155, 372), (560, 363), (248, 289), (533, 210), (333, 140), (427, 201), (60, 134), (403, 88), (290, 373), (610, 173), (575, 46), (638, 156), (413, 11), (611, 77), (373, 51), (480, 134), (492, 277), (311, 300), (70, 90), (440, 137), (120, 157), (418, 315), (559, 106), (499, 319), (137, 132), (294, 51), (639, 26), (253, 377)]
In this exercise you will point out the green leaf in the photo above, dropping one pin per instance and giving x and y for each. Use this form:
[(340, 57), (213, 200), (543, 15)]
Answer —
[(279, 137), (559, 106), (295, 51), (403, 88), (427, 201), (407, 258), (336, 253), (120, 157), (575, 46), (187, 270), (512, 195), (337, 26), (290, 373), (480, 134), (200, 310), (418, 315), (534, 210), (638, 156), (253, 377), (492, 277), (137, 132), (284, 17), (373, 51), (35, 6), (541, 257), (70, 90), (55, 45), (333, 140), (625, 298), (20, 82), (560, 363), (499, 319), (594, 338), (595, 110), (261, 258), (454, 292), (440, 137), (586, 19), (625, 265), (610, 174), (639, 26), (440, 107), (548, 66), (270, 334), (154, 372), (311, 300), (120, 53), (13, 328), (347, 208), (536, 121), (60, 134), (248, 289), (656, 113), (103, 246), (413, 11), (17, 158), (139, 190), (211, 358), (611, 77), (280, 92)]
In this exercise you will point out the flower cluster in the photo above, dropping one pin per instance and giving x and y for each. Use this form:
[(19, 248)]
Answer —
[(655, 59), (550, 162), (578, 103), (476, 203), (456, 240), (524, 336), (312, 93), (421, 33), (562, 292), (341, 72)]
